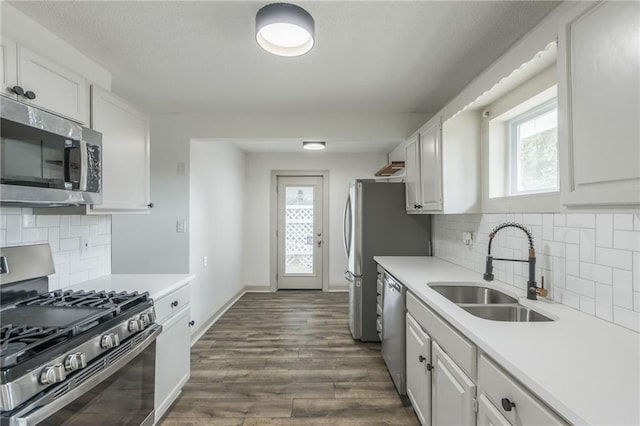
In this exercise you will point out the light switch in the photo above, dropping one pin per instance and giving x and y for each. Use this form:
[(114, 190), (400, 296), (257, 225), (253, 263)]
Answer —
[(205, 261), (181, 226)]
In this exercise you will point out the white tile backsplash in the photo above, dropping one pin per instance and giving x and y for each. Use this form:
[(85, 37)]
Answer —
[(63, 233), (591, 262)]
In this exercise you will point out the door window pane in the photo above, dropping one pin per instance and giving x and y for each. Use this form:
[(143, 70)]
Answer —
[(299, 230)]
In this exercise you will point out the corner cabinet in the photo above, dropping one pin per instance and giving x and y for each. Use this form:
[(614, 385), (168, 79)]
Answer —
[(599, 106), (173, 366), (125, 149), (38, 81), (442, 166)]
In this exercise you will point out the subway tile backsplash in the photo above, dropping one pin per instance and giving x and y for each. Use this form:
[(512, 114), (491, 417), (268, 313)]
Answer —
[(591, 262), (65, 234)]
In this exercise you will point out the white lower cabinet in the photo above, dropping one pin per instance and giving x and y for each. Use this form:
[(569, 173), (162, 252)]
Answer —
[(173, 365), (513, 401), (488, 414), (453, 393), (451, 382), (419, 370)]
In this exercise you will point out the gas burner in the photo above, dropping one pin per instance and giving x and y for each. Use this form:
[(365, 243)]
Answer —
[(16, 339)]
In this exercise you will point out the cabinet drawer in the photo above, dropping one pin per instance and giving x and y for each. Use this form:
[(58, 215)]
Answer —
[(497, 384), (171, 303), (454, 344)]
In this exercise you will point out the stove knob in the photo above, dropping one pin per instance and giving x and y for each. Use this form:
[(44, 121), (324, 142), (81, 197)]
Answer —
[(135, 325), (75, 361), (109, 340), (147, 319), (52, 374)]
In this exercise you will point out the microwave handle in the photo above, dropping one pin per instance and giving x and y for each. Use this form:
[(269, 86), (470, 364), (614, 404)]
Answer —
[(84, 161)]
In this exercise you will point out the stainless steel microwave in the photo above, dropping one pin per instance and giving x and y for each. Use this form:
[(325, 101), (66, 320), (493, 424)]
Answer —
[(47, 160)]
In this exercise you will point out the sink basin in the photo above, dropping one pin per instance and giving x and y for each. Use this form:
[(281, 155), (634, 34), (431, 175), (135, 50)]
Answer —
[(509, 313), (463, 294)]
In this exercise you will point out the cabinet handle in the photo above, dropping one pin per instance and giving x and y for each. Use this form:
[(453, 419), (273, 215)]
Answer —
[(192, 323), (429, 367), (17, 90), (29, 95), (507, 405), (421, 358), (174, 304), (150, 205)]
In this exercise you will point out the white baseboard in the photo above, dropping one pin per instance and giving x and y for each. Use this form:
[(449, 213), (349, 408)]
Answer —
[(216, 315), (257, 289)]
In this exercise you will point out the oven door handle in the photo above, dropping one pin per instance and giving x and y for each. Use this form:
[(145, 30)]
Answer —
[(37, 414)]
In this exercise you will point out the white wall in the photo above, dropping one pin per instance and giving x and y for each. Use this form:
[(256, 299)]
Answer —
[(343, 168), (63, 233), (150, 243), (216, 206), (590, 262)]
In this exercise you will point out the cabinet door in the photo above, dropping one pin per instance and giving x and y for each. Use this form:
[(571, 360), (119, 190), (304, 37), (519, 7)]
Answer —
[(412, 173), (431, 167), (57, 89), (452, 391), (125, 153), (599, 105), (172, 361), (8, 67), (418, 373), (488, 415)]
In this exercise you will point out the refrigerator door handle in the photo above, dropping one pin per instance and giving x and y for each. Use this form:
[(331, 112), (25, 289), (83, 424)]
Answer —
[(346, 233), (349, 276)]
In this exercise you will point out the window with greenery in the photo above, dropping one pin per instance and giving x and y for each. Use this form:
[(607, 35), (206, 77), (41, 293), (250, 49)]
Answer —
[(533, 150)]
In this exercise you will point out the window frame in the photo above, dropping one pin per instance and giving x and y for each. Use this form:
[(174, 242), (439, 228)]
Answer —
[(512, 149)]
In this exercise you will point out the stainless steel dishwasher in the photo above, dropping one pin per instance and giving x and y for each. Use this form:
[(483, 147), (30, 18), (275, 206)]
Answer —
[(393, 331)]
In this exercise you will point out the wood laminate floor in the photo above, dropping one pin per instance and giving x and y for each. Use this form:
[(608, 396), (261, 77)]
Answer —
[(287, 358)]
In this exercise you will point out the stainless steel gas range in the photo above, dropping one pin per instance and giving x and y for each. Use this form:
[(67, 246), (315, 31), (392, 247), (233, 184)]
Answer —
[(71, 357)]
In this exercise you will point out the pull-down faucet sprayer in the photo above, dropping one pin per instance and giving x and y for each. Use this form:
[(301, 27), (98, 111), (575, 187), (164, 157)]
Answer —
[(532, 287)]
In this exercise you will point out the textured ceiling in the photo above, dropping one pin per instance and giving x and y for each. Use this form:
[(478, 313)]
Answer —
[(370, 56)]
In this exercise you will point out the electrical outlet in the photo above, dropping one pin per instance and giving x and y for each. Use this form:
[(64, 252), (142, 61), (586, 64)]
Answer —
[(205, 261), (467, 238), (181, 226)]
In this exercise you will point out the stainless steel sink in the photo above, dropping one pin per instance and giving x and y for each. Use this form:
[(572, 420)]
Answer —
[(471, 294), (510, 313)]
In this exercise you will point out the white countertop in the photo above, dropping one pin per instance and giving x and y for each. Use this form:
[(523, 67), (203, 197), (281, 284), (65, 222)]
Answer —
[(158, 285), (586, 369)]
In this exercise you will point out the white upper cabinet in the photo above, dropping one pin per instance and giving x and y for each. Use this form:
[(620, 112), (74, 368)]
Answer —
[(125, 153), (412, 173), (38, 81), (431, 166), (442, 166), (599, 98), (8, 67)]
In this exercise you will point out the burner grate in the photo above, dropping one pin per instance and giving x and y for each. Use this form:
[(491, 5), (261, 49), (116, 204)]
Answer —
[(93, 299)]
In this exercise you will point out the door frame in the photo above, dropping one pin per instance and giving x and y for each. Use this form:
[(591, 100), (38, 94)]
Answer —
[(273, 208)]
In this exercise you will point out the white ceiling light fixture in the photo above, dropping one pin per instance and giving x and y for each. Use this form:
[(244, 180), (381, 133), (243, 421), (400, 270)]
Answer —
[(285, 29), (314, 145)]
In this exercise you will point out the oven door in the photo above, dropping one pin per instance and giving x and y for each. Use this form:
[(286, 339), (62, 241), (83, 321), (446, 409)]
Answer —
[(117, 389)]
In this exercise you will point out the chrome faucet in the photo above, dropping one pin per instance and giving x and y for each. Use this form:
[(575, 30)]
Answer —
[(532, 287)]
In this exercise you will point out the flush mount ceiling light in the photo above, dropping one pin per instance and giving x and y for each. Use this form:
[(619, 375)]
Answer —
[(284, 29), (313, 145)]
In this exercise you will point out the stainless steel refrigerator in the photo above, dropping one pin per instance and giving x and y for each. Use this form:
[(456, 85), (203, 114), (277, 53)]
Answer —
[(377, 224)]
